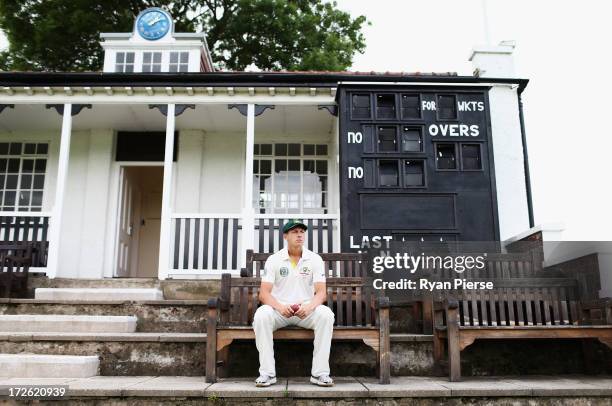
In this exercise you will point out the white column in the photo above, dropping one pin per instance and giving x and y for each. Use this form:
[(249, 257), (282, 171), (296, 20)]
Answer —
[(248, 214), (166, 211), (62, 172)]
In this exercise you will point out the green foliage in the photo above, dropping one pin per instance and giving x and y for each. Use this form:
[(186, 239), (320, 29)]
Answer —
[(63, 35)]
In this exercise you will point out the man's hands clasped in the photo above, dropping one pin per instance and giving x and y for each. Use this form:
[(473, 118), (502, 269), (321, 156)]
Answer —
[(300, 310)]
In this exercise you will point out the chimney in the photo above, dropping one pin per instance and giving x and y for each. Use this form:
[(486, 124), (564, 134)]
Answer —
[(494, 61)]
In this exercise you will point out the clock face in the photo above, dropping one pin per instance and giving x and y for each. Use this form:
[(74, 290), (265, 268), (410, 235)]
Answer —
[(153, 24)]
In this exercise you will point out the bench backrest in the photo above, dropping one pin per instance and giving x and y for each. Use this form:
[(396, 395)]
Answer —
[(521, 302), (351, 299), (8, 250), (337, 265)]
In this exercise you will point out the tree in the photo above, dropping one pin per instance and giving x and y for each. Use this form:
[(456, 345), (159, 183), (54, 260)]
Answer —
[(63, 35)]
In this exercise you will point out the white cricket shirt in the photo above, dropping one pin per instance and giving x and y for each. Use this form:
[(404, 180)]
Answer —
[(293, 284)]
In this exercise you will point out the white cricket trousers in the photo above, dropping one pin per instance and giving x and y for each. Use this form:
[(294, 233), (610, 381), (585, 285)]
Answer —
[(267, 320)]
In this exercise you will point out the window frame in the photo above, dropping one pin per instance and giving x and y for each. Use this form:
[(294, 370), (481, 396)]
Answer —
[(325, 199), (399, 175), (178, 64), (17, 207), (394, 95), (454, 96), (419, 106), (369, 95), (421, 134), (125, 64), (480, 152), (424, 165), (152, 63), (395, 128), (457, 158)]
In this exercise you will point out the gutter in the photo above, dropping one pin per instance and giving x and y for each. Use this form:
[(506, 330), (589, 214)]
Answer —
[(200, 79), (525, 161)]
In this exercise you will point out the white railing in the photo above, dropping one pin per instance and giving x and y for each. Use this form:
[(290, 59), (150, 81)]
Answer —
[(210, 244), (322, 235), (33, 227), (205, 242)]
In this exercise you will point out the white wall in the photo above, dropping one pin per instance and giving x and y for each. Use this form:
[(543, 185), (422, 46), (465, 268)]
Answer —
[(508, 157), (222, 173), (82, 241), (188, 173)]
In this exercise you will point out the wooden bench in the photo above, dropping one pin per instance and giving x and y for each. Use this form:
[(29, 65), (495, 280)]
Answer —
[(15, 262), (360, 313), (517, 308)]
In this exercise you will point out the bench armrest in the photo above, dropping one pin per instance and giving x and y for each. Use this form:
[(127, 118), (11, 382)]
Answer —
[(383, 302), (18, 259), (448, 307), (592, 307)]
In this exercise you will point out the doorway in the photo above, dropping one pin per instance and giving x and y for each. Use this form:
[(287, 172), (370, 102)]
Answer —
[(140, 201)]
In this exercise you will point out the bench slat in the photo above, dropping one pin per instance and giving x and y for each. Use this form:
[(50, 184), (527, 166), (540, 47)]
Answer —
[(358, 307), (339, 307), (528, 294)]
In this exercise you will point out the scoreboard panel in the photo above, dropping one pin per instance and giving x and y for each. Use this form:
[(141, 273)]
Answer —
[(416, 164)]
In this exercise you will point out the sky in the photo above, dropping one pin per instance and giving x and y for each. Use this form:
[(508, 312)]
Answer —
[(562, 47)]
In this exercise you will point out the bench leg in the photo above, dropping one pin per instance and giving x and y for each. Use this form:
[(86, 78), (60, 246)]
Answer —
[(427, 315), (454, 351), (384, 353), (211, 345)]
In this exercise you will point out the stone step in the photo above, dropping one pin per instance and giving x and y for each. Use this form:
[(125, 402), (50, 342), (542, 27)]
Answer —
[(48, 366), (169, 316), (180, 289), (94, 294), (52, 323)]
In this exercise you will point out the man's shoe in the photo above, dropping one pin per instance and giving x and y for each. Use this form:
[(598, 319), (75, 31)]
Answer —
[(265, 380), (322, 380)]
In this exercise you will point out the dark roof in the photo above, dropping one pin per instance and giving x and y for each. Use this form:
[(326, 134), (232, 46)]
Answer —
[(200, 79)]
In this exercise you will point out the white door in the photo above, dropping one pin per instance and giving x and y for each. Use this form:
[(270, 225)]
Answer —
[(126, 223)]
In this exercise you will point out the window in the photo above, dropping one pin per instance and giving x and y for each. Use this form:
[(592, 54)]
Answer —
[(414, 173), (151, 61), (386, 139), (22, 175), (446, 156), (412, 140), (385, 106), (360, 106), (179, 62), (411, 106), (124, 62), (290, 178), (388, 175), (447, 107), (470, 157)]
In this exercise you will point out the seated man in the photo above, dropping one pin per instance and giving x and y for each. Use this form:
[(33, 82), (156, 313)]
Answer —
[(292, 293)]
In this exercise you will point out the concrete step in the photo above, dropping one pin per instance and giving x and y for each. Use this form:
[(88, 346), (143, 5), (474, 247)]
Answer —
[(180, 289), (94, 294), (51, 323), (48, 366), (178, 316)]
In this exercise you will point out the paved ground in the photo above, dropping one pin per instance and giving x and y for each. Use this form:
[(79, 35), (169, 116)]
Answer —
[(346, 387)]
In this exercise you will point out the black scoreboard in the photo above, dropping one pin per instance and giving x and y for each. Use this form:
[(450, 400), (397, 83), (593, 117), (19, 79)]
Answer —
[(416, 164)]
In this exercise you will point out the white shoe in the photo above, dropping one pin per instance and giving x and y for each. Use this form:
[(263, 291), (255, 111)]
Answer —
[(265, 380), (322, 380)]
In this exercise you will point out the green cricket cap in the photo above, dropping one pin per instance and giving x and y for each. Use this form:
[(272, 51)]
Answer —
[(291, 224)]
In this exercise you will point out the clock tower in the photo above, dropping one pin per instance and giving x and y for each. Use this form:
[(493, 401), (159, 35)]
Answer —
[(154, 47)]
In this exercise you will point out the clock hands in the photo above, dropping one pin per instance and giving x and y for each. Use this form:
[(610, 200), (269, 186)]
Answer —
[(155, 20)]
